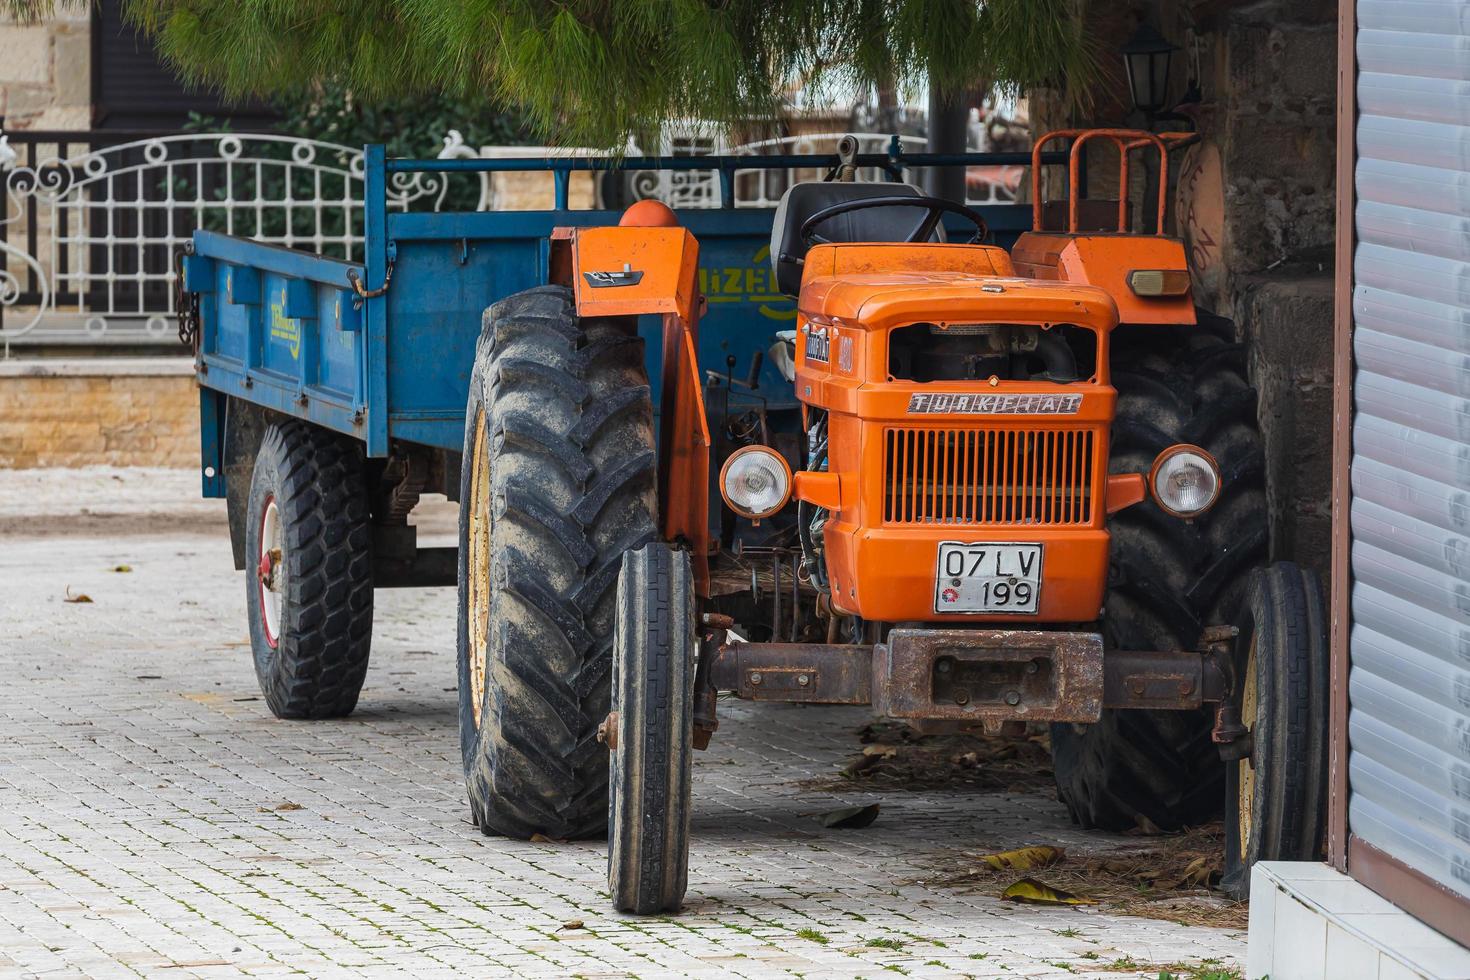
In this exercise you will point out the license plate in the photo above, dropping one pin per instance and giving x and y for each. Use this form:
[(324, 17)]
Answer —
[(988, 578)]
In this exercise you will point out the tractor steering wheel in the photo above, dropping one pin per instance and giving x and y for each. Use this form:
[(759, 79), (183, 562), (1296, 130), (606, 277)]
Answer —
[(935, 208)]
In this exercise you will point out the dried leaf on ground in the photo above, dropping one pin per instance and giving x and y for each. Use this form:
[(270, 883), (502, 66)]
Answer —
[(897, 759), (572, 924), (122, 568), (1168, 877), (1024, 858), (851, 817), (78, 598), (287, 807), (1146, 827), (1034, 892), (543, 839)]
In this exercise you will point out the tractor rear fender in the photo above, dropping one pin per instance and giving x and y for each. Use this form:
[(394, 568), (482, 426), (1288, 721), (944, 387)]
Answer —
[(637, 270), (1111, 261)]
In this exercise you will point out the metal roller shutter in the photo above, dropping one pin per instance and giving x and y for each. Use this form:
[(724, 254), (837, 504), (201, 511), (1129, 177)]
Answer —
[(1409, 688), (132, 89)]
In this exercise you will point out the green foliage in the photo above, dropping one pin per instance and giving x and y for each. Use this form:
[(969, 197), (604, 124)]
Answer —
[(593, 72), (410, 126)]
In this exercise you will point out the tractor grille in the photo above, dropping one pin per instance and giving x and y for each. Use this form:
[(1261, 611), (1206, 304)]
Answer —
[(987, 476)]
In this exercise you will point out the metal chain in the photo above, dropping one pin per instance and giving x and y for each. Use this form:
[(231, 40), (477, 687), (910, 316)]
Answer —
[(186, 304), (363, 291)]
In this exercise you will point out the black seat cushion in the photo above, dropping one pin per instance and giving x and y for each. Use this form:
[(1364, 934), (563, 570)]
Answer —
[(801, 201)]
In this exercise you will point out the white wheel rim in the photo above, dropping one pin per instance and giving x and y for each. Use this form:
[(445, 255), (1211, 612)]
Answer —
[(268, 571)]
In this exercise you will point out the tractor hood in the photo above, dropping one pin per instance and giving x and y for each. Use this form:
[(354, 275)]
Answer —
[(877, 301)]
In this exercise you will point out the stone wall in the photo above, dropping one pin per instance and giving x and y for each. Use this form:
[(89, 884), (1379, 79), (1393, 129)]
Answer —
[(1267, 73), (46, 71), (1255, 206), (108, 411)]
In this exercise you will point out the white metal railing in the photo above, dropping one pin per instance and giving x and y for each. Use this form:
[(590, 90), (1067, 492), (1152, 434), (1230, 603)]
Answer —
[(701, 188), (87, 239), (88, 236), (763, 188)]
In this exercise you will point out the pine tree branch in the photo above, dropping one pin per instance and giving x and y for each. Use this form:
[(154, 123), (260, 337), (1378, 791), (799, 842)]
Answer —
[(594, 72)]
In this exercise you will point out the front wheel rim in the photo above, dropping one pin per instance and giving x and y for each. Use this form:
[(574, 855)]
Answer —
[(268, 572), (1246, 772)]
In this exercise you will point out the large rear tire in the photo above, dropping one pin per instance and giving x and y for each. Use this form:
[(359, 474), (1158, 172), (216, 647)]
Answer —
[(652, 732), (1276, 796), (1168, 578), (309, 571), (557, 483)]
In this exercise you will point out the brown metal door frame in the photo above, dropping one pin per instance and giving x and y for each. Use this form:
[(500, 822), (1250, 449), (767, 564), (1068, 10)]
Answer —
[(1342, 434), (1414, 892)]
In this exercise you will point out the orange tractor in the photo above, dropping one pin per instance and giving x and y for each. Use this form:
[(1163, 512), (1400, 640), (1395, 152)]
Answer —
[(1028, 490)]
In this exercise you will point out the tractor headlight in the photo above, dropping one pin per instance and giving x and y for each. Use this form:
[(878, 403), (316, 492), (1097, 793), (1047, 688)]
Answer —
[(1185, 481), (756, 482)]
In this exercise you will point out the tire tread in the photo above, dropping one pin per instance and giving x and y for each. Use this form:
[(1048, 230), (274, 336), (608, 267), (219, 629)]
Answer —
[(319, 667), (565, 504)]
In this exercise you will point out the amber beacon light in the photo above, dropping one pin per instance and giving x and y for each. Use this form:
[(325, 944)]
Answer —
[(1159, 282)]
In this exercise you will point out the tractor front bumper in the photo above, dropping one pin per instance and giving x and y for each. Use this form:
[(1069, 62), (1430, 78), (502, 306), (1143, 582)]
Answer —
[(980, 678)]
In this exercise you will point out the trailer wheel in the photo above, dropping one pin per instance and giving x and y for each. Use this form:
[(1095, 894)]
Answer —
[(308, 575), (650, 732), (1169, 579), (1275, 800), (557, 483)]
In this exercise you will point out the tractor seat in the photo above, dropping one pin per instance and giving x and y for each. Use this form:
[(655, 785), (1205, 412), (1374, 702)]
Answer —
[(803, 200)]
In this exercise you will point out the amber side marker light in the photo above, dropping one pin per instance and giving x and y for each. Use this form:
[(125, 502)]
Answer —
[(755, 481), (1184, 481), (1159, 282)]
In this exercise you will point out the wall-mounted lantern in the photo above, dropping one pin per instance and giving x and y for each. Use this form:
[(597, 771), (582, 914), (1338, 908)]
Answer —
[(1146, 56)]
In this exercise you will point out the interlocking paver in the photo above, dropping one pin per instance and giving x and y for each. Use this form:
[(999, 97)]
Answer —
[(142, 775)]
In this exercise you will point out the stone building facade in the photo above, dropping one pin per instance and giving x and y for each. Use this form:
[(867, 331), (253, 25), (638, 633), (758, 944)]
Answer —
[(46, 72)]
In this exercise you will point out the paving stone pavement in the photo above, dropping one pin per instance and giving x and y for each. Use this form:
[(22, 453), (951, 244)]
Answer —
[(156, 820)]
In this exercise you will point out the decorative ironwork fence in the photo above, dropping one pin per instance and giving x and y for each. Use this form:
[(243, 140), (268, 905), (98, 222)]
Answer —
[(752, 188), (90, 223), (763, 188), (89, 229)]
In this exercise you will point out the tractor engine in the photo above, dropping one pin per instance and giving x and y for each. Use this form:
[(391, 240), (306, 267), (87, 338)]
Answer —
[(958, 435)]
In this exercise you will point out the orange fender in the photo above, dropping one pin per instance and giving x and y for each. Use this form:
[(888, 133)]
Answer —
[(648, 266)]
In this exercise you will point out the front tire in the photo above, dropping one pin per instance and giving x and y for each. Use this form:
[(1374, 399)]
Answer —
[(653, 722), (1276, 796), (309, 571), (557, 483)]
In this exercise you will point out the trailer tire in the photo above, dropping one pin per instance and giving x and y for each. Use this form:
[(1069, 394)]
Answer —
[(558, 482), (653, 721), (1276, 796), (1168, 579), (309, 571)]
